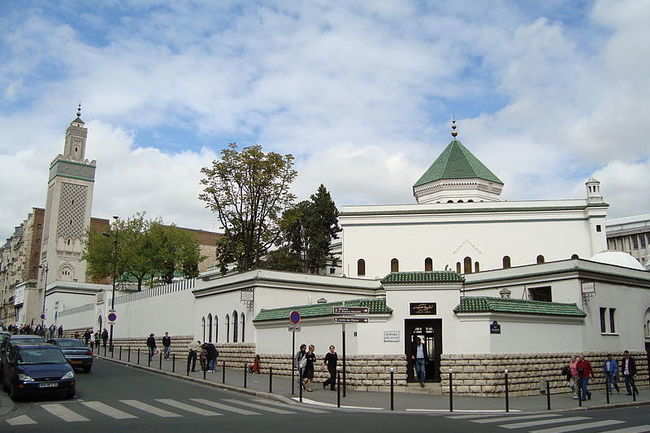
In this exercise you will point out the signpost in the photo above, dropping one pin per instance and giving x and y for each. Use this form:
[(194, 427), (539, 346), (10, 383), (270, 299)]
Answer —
[(112, 317), (294, 319), (347, 315), (351, 310)]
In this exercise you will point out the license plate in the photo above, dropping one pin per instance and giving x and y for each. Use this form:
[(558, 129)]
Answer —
[(48, 385), (75, 361)]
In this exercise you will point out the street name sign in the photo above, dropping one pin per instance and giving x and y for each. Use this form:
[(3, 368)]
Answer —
[(294, 328), (351, 319), (351, 310)]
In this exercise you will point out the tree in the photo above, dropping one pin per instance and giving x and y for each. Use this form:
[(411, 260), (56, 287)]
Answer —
[(248, 190), (176, 251)]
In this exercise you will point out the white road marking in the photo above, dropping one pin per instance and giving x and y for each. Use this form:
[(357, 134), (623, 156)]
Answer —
[(284, 406), (543, 422), (21, 420), (64, 413), (150, 409), (320, 403), (472, 416), (225, 407), (635, 429), (259, 406), (514, 418), (575, 427), (108, 410), (187, 407)]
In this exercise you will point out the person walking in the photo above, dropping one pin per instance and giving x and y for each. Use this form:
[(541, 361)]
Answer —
[(310, 365), (212, 354), (610, 370), (167, 345), (584, 374), (193, 350), (203, 356), (573, 371), (60, 331), (97, 337), (330, 361), (256, 365), (419, 355), (151, 344), (300, 362), (92, 342), (628, 367), (104, 336), (87, 336)]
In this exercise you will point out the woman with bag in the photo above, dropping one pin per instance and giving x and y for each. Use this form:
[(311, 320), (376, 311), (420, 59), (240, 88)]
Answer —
[(310, 358), (300, 362)]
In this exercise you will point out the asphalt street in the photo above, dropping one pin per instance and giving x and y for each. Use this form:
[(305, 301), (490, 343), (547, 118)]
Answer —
[(114, 398)]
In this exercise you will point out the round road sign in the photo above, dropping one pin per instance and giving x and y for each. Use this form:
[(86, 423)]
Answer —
[(112, 316), (43, 316), (294, 317)]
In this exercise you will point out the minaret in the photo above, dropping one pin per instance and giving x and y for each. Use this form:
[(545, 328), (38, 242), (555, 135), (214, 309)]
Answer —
[(593, 191), (68, 207)]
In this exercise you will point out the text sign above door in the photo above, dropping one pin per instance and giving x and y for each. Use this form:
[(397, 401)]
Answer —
[(351, 310), (422, 308)]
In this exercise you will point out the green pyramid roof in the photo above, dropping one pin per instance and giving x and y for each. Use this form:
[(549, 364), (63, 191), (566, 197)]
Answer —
[(456, 162), (486, 304)]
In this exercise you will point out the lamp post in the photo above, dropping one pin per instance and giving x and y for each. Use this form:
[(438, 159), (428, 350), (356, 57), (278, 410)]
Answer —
[(44, 267), (116, 219)]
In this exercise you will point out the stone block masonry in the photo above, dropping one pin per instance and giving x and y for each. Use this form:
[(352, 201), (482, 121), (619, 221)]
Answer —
[(483, 374)]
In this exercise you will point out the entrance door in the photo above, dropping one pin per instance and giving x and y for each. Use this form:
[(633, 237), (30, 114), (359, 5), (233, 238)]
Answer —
[(430, 332)]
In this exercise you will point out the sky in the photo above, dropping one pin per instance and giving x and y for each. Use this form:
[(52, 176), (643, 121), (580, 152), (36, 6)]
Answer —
[(546, 94)]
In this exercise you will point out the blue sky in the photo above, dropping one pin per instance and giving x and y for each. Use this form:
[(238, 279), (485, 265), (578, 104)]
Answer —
[(545, 93)]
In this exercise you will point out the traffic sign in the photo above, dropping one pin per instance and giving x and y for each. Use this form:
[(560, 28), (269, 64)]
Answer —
[(294, 317), (351, 319), (294, 328), (43, 316), (112, 317), (351, 310)]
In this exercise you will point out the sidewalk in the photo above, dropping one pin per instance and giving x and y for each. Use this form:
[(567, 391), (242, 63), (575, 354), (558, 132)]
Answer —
[(381, 400)]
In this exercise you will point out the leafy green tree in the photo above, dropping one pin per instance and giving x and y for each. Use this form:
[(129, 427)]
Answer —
[(248, 190), (176, 252)]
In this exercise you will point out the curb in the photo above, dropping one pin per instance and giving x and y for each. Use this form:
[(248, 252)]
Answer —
[(6, 404), (239, 389)]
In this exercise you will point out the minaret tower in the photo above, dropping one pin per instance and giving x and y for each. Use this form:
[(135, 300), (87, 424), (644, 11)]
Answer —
[(68, 207)]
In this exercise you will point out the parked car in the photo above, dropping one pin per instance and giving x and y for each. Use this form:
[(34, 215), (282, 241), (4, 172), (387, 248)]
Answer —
[(33, 369), (76, 352), (16, 339)]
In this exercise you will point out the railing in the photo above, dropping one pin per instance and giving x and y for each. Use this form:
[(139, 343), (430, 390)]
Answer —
[(165, 289)]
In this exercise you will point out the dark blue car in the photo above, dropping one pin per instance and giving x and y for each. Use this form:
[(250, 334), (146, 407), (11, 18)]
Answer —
[(37, 369)]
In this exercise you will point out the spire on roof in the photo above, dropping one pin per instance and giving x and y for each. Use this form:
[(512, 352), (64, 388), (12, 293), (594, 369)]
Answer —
[(79, 111), (454, 132)]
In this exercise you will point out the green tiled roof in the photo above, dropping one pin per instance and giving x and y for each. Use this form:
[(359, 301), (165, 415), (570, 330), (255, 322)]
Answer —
[(484, 304), (422, 277), (456, 162), (375, 306)]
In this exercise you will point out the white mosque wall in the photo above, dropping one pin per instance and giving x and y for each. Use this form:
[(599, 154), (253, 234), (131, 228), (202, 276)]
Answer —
[(277, 339)]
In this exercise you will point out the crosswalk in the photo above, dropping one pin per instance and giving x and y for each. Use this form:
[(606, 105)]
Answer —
[(552, 423), (88, 411)]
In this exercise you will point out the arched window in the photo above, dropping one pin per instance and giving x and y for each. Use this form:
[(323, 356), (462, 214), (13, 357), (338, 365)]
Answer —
[(234, 326), (506, 262), (227, 328), (361, 267), (467, 265), (394, 265), (470, 201), (540, 259), (450, 201), (216, 329), (428, 264), (458, 267), (243, 325), (459, 201), (203, 327), (574, 256), (477, 267), (210, 328)]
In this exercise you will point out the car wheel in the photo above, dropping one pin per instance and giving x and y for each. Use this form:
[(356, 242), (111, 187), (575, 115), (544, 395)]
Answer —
[(87, 369), (13, 393), (70, 394)]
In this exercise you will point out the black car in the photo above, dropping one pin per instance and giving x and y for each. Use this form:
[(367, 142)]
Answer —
[(16, 339), (36, 369), (76, 352)]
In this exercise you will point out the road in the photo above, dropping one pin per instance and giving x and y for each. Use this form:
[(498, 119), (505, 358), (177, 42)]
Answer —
[(115, 399)]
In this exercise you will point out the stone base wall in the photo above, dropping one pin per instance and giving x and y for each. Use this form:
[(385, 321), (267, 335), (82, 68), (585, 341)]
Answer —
[(483, 374)]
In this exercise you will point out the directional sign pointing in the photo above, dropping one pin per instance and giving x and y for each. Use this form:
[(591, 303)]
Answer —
[(351, 319), (351, 310)]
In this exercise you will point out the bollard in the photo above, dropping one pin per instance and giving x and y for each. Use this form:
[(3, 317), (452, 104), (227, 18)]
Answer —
[(223, 373), (548, 395), (160, 362), (173, 362), (451, 391), (204, 368), (189, 361), (245, 374), (507, 396), (579, 394), (301, 385), (138, 356), (338, 388), (120, 353), (392, 399), (128, 354), (607, 389), (270, 380), (149, 358)]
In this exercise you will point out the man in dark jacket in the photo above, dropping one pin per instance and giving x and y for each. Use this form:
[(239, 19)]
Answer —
[(151, 344), (104, 336), (167, 343), (87, 336), (585, 372), (211, 356), (330, 361), (628, 368)]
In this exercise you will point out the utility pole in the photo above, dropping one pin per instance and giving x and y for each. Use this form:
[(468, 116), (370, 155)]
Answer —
[(44, 267), (115, 234)]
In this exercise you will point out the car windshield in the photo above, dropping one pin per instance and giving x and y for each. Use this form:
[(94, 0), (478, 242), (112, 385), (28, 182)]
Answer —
[(22, 340), (40, 355), (69, 343)]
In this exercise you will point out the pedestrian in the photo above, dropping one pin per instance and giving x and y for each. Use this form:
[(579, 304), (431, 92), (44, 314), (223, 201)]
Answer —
[(610, 370), (203, 356), (167, 345), (211, 354), (300, 362), (419, 355), (52, 330), (87, 336), (97, 337), (628, 367), (104, 336), (92, 341), (193, 349), (308, 374), (584, 374), (151, 344), (76, 335), (256, 365), (573, 371), (330, 361), (60, 331)]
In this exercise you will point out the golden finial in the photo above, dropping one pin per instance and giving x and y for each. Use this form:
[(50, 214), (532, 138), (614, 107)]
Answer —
[(454, 131)]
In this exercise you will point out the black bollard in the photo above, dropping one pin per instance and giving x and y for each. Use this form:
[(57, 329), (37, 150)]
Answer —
[(128, 354), (338, 389), (507, 396), (607, 390), (245, 374), (189, 361), (270, 380), (301, 385), (148, 357), (392, 398), (579, 394), (223, 372), (138, 356), (204, 368), (451, 391), (173, 362), (160, 362), (120, 353), (548, 395)]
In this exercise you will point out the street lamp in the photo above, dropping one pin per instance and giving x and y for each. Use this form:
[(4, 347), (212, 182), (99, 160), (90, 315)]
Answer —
[(116, 219), (44, 267)]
